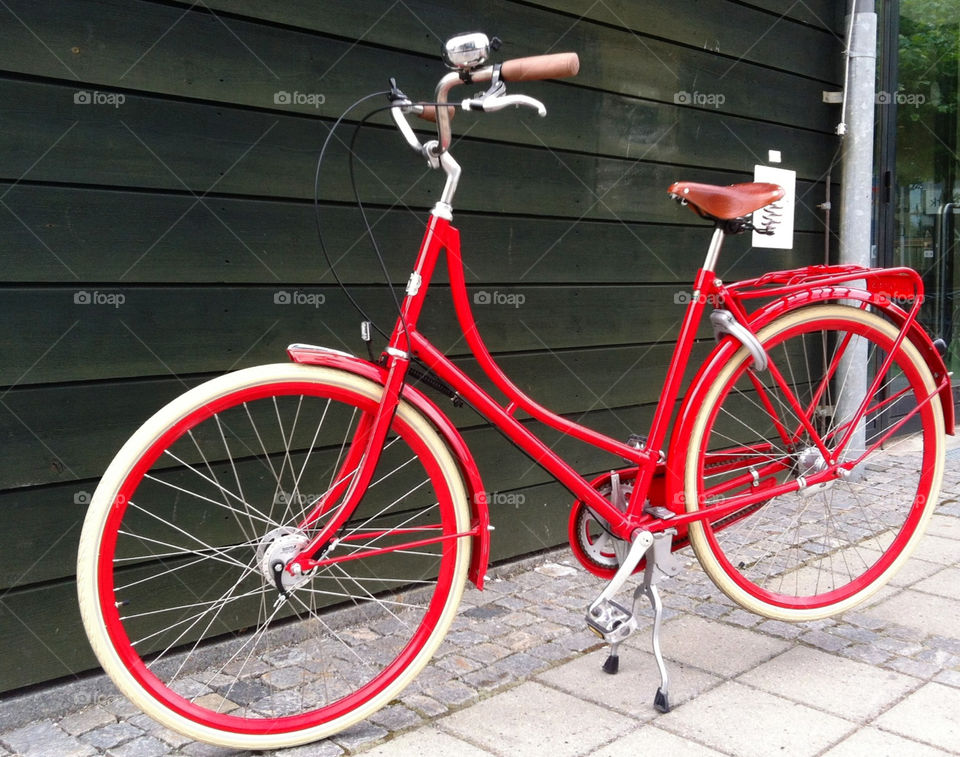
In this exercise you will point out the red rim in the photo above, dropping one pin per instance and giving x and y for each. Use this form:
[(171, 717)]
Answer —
[(291, 723), (910, 523)]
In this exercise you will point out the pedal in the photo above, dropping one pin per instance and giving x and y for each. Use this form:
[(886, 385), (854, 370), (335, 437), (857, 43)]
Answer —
[(611, 621)]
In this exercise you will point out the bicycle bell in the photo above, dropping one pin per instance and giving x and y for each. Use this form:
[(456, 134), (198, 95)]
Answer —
[(468, 51)]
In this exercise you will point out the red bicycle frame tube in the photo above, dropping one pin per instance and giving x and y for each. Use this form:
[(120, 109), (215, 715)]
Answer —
[(406, 342)]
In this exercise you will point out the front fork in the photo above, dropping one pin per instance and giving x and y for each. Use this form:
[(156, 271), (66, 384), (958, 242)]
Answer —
[(355, 473)]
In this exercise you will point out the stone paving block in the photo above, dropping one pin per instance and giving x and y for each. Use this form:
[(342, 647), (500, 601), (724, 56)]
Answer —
[(935, 548), (924, 613), (86, 720), (425, 741), (915, 569), (713, 646), (450, 693), (824, 640), (199, 749), (712, 610), (928, 715), (911, 667), (44, 739), (358, 735), (111, 735), (867, 653), (942, 525), (877, 743), (946, 583), (421, 703), (395, 717), (949, 677), (458, 664), (652, 740), (486, 653), (145, 746), (316, 749), (746, 722), (534, 719), (852, 690), (631, 690), (550, 652)]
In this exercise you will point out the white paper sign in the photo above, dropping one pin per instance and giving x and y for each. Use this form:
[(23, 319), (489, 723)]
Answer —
[(782, 237)]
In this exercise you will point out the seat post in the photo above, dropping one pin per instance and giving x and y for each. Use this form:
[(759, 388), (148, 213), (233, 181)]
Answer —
[(713, 252)]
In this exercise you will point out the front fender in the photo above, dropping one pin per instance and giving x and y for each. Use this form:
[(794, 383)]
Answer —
[(480, 553)]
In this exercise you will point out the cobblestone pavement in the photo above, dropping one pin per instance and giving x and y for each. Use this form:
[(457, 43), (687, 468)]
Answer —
[(519, 674)]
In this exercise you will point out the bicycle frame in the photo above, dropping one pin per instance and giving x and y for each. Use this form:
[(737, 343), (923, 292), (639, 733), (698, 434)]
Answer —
[(406, 342)]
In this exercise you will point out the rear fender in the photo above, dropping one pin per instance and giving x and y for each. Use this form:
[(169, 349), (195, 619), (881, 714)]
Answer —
[(724, 351), (480, 515), (882, 302)]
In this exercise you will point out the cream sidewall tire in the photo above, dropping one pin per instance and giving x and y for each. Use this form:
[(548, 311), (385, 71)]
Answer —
[(132, 451), (697, 534)]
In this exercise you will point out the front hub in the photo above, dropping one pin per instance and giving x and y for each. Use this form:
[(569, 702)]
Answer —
[(277, 548)]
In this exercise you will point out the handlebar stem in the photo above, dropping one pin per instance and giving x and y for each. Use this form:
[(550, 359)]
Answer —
[(444, 206), (447, 83)]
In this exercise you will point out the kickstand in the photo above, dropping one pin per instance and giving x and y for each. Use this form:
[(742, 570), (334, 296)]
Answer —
[(662, 699), (661, 564)]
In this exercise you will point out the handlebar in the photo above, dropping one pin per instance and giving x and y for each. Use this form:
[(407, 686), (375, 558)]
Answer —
[(553, 66)]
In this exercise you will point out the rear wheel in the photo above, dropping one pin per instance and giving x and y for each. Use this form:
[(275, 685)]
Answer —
[(175, 563), (819, 550)]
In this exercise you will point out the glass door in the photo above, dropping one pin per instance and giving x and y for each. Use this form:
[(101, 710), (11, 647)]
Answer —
[(924, 196)]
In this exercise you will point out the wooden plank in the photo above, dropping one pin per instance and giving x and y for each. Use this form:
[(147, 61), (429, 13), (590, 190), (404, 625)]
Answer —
[(62, 432), (154, 331), (197, 56), (193, 148), (58, 234), (779, 39), (729, 28)]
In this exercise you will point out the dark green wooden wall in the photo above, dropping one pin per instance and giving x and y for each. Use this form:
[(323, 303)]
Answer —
[(155, 198)]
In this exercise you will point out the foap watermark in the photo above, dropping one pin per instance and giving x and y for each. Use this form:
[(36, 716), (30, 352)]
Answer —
[(684, 297), (81, 497), (701, 99), (297, 499), (111, 299), (311, 99), (93, 97), (296, 297), (900, 300), (915, 99), (88, 698), (516, 499), (483, 297)]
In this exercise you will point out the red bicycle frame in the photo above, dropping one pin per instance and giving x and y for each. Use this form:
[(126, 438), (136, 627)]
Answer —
[(790, 288)]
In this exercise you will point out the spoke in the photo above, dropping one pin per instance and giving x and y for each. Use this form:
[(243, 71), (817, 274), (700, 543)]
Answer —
[(203, 544), (236, 479), (216, 557), (248, 507)]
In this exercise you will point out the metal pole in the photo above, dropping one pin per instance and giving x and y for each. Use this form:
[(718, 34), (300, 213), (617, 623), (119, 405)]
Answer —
[(856, 197)]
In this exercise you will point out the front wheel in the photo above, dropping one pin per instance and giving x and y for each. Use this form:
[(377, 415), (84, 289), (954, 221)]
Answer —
[(174, 569), (818, 550)]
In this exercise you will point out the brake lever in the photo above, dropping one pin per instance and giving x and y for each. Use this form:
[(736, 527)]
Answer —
[(401, 106), (491, 104)]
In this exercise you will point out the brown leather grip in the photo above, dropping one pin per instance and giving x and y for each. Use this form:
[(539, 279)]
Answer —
[(430, 113), (554, 66)]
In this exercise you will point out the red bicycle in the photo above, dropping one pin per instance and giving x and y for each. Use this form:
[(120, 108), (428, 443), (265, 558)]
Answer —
[(328, 505)]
